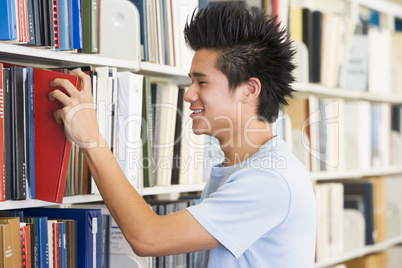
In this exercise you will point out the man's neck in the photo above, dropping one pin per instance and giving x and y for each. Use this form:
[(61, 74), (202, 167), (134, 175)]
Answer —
[(244, 144)]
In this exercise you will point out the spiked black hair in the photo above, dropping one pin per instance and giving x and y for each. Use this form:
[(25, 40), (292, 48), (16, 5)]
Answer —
[(250, 45)]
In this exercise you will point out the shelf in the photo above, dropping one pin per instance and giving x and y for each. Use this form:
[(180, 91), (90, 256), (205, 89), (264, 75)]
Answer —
[(173, 189), (38, 203), (180, 75), (348, 94), (43, 57), (355, 174), (361, 252), (382, 6)]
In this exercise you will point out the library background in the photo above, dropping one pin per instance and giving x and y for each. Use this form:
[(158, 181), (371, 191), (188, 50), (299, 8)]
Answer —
[(344, 125)]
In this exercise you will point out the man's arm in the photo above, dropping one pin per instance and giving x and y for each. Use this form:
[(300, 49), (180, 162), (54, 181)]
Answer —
[(146, 232)]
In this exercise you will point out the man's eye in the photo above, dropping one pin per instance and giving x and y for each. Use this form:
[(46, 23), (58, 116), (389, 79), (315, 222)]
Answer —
[(201, 82)]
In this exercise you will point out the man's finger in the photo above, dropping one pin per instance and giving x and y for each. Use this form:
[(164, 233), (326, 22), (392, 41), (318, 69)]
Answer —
[(85, 82), (66, 84), (60, 96)]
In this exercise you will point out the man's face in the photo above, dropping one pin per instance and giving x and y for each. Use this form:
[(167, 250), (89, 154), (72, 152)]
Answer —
[(216, 110)]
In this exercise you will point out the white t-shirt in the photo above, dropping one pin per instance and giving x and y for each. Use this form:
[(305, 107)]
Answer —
[(261, 210)]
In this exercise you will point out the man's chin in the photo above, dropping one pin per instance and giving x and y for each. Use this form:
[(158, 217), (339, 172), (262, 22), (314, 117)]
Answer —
[(198, 131)]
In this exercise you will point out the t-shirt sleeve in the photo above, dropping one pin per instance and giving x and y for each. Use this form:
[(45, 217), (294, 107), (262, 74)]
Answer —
[(248, 205)]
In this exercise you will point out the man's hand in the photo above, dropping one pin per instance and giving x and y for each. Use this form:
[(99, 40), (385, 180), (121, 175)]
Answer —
[(78, 114)]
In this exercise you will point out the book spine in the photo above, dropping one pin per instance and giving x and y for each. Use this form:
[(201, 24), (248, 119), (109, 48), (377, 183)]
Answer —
[(8, 30), (32, 134), (56, 24), (31, 23), (90, 26), (43, 247), (64, 37), (19, 176), (148, 162), (63, 245), (36, 20), (2, 166), (7, 128), (56, 247), (45, 24), (27, 129), (77, 24)]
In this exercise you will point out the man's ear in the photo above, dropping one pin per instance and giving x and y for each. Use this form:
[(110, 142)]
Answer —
[(253, 90)]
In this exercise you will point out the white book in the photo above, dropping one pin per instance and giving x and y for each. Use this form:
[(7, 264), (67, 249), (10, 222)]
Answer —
[(129, 120), (168, 107), (379, 78), (50, 241), (355, 74), (396, 83), (331, 39), (358, 135), (102, 74)]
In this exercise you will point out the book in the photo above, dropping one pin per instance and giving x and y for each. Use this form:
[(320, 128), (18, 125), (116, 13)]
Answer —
[(129, 126), (64, 30), (51, 242), (14, 230), (6, 246), (54, 147), (25, 231), (2, 145), (56, 24), (365, 189), (28, 127), (356, 69), (18, 83), (147, 135), (89, 233), (71, 242), (76, 24), (7, 108), (31, 139), (316, 22), (8, 20), (89, 26), (164, 141), (142, 9)]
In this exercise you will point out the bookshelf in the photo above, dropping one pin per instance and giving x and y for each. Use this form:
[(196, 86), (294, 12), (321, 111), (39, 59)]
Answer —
[(388, 172), (44, 58)]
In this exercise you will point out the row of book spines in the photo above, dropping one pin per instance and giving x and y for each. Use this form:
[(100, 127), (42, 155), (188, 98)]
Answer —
[(366, 196), (166, 207), (79, 177), (61, 24), (17, 173), (339, 50)]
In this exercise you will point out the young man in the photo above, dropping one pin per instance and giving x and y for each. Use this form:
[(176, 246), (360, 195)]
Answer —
[(258, 208)]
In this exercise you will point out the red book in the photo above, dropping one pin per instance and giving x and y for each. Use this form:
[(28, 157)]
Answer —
[(25, 237), (52, 148), (57, 261), (28, 252)]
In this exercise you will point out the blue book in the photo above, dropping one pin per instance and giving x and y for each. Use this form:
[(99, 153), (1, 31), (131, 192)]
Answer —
[(64, 30), (398, 24), (63, 245), (8, 20), (89, 231), (76, 24), (142, 9)]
